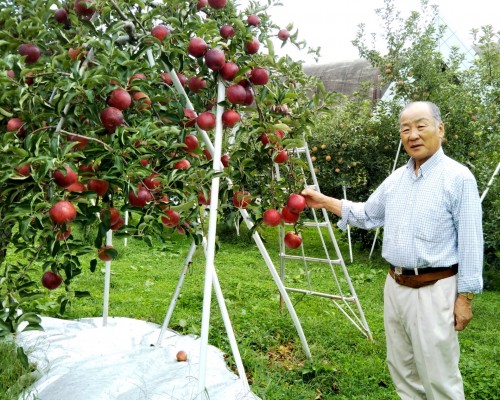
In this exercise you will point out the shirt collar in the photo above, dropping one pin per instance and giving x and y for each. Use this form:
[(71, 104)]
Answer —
[(428, 165)]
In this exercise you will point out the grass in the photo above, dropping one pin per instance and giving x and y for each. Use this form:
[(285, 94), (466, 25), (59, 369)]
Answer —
[(345, 365)]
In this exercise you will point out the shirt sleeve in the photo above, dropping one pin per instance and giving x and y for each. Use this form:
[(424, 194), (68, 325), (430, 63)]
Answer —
[(468, 221), (367, 215)]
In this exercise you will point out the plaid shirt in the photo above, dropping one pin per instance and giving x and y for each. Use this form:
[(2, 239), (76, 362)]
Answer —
[(432, 219)]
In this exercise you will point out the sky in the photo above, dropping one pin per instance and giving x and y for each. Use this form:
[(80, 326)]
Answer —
[(332, 24)]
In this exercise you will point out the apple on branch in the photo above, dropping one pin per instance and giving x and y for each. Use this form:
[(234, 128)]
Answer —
[(271, 217), (51, 280), (292, 240), (197, 47), (62, 212)]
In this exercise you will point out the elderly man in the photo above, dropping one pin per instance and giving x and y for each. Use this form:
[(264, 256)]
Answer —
[(433, 241)]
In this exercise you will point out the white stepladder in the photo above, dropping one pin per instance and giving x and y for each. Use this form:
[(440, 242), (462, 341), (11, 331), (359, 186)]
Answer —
[(342, 294)]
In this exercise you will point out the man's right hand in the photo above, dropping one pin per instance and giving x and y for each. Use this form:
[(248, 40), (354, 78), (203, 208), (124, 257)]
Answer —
[(315, 199)]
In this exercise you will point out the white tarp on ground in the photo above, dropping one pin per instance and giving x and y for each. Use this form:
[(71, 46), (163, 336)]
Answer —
[(82, 360)]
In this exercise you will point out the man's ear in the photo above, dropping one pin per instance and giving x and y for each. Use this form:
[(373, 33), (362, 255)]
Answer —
[(441, 130)]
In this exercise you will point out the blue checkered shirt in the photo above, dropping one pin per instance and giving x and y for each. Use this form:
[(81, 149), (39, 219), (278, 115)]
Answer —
[(432, 219)]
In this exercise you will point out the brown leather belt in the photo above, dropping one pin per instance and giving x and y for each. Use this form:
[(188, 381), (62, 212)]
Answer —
[(425, 277)]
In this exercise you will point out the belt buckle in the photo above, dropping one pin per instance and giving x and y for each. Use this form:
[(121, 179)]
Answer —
[(398, 270)]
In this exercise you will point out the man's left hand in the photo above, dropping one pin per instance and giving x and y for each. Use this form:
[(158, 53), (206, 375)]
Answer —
[(463, 312)]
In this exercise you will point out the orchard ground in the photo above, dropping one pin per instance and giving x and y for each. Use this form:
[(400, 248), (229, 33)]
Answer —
[(345, 364)]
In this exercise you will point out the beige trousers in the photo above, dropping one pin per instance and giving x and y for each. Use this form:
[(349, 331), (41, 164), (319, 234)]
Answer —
[(422, 345)]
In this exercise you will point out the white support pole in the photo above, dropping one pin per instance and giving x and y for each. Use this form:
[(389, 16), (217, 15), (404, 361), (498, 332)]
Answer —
[(177, 291), (393, 169), (210, 253), (490, 182), (348, 228), (107, 281)]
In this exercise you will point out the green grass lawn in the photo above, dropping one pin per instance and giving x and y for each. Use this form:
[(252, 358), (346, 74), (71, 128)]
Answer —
[(345, 365)]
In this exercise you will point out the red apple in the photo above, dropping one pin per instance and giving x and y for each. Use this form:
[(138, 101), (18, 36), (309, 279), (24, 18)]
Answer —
[(75, 54), (11, 74), (171, 218), (160, 32), (208, 156), (225, 160), (206, 121), (230, 118), (66, 178), (191, 142), (16, 124), (229, 71), (236, 94), (24, 170), (182, 164), (288, 216), (62, 212), (140, 199), (118, 224), (271, 217), (84, 8), (241, 199), (201, 4), (248, 97), (292, 240), (196, 83), (81, 142), (152, 182), (197, 47), (217, 4), (31, 51), (181, 356), (51, 280), (296, 203), (226, 31), (100, 186), (106, 253), (76, 187), (163, 201), (259, 76), (281, 157), (142, 99), (189, 117), (202, 199), (111, 117), (273, 138), (139, 76), (61, 16), (253, 20), (144, 161), (114, 214), (283, 34), (252, 47), (215, 59), (63, 234), (119, 98)]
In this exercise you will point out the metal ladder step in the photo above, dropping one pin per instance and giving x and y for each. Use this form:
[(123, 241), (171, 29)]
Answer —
[(312, 259), (327, 295)]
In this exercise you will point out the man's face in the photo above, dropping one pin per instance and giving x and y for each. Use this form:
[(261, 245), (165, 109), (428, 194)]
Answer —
[(420, 133)]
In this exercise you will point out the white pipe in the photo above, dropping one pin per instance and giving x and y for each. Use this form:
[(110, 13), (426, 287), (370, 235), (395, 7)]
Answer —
[(490, 182), (177, 291), (212, 232), (107, 280)]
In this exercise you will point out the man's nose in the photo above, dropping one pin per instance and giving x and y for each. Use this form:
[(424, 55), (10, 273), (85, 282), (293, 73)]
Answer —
[(414, 134)]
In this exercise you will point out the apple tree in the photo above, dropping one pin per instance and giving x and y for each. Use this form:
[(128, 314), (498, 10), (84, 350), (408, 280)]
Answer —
[(103, 112)]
